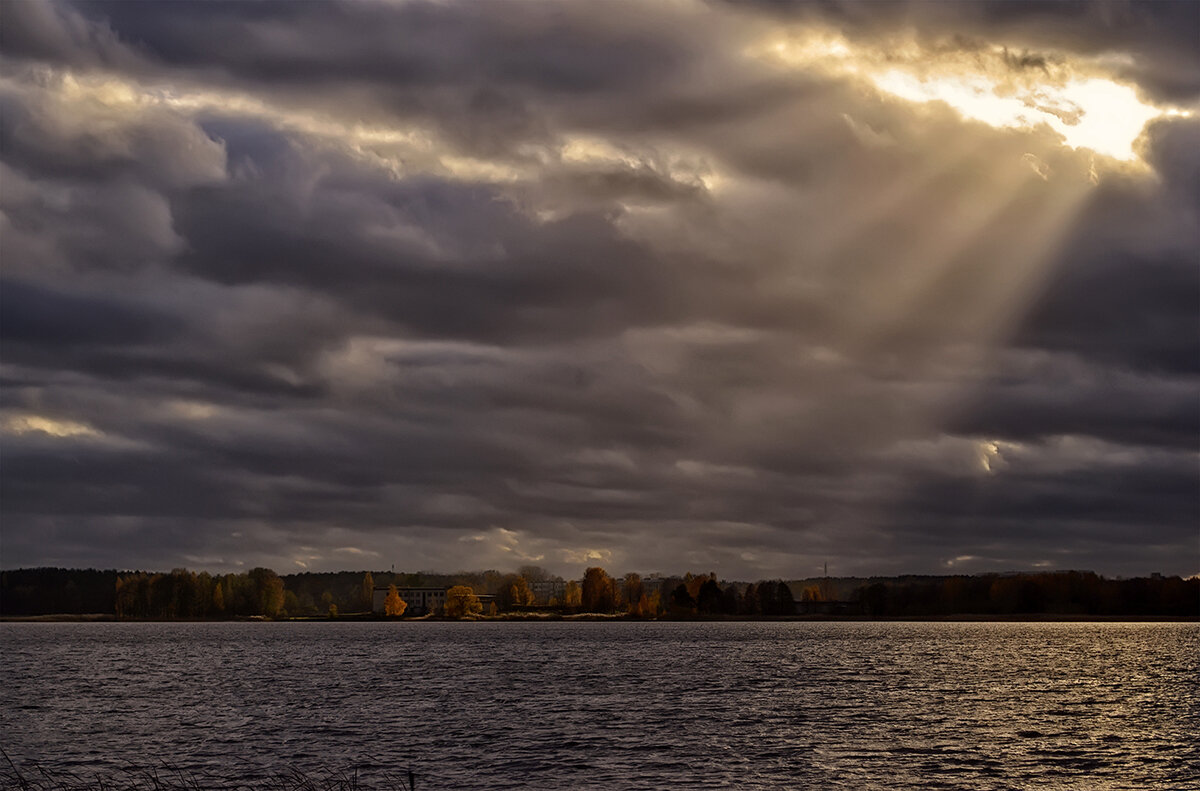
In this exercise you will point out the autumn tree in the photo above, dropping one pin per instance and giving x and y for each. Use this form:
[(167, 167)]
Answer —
[(572, 595), (635, 595), (598, 591), (127, 596), (653, 603), (267, 591), (693, 582), (291, 602), (393, 605), (461, 601), (514, 591)]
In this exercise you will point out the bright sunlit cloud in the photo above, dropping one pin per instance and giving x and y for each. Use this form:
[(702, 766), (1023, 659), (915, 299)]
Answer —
[(27, 424), (1095, 114), (1086, 109), (404, 148)]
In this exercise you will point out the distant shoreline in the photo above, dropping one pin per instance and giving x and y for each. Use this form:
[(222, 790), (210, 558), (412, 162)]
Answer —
[(590, 617)]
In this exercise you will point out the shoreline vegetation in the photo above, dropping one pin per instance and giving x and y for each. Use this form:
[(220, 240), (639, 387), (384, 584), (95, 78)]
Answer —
[(622, 617), (532, 594)]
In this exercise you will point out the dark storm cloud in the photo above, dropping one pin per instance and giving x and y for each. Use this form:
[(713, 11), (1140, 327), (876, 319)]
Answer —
[(479, 268), (58, 33), (1108, 404), (420, 43), (1091, 511), (462, 285), (486, 76), (36, 316), (1139, 313)]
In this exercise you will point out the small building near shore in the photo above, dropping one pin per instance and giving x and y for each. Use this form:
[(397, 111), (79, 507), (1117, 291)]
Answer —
[(420, 601), (545, 590)]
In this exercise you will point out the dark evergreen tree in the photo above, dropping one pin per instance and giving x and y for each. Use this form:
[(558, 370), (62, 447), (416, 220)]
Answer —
[(709, 599), (682, 602), (730, 601), (785, 603)]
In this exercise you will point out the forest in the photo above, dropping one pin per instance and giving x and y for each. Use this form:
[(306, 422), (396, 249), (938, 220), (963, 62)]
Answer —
[(261, 592)]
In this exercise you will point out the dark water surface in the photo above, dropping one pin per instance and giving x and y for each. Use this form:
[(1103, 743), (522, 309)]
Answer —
[(616, 705)]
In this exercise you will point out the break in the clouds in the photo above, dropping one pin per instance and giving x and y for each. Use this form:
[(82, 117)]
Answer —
[(747, 287)]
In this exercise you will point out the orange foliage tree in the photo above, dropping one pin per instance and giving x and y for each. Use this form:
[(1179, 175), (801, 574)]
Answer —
[(635, 595), (393, 605), (514, 591), (599, 591), (461, 601), (572, 595)]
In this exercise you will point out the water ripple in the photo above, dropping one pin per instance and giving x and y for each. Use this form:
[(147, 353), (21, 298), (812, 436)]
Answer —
[(615, 705)]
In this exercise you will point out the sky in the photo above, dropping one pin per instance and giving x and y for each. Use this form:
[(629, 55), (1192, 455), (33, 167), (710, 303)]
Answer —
[(737, 287)]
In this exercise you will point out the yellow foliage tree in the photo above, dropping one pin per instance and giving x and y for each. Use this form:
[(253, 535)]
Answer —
[(573, 595), (653, 604), (461, 601), (520, 593), (634, 594), (393, 605)]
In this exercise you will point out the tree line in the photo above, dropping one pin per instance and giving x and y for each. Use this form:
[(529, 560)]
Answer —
[(181, 593), (691, 594), (1053, 593), (186, 594)]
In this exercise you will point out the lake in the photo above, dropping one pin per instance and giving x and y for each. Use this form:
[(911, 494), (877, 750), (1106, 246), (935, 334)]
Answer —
[(613, 705)]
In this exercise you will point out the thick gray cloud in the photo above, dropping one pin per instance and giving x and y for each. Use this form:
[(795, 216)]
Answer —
[(458, 285)]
